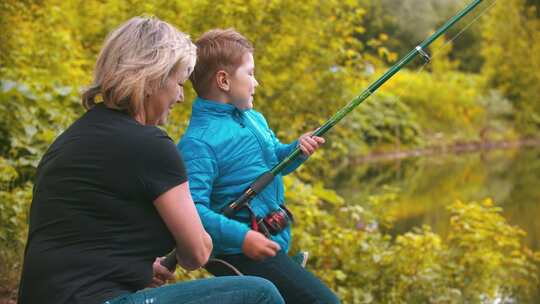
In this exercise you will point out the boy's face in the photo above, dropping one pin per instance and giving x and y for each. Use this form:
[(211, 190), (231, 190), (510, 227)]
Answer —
[(243, 83)]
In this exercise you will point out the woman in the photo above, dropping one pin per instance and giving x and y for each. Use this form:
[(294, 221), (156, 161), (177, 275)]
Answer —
[(110, 194)]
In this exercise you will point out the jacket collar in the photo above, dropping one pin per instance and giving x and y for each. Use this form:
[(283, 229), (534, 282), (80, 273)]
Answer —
[(207, 105), (213, 107)]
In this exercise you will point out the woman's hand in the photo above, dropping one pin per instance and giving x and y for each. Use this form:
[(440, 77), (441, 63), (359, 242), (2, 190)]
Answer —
[(161, 274), (193, 244)]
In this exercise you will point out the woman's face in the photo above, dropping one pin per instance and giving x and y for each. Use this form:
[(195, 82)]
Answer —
[(159, 104)]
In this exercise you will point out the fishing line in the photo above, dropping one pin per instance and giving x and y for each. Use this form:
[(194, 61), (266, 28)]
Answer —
[(435, 53)]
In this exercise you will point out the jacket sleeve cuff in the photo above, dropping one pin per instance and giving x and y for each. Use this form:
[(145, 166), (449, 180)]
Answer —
[(234, 238)]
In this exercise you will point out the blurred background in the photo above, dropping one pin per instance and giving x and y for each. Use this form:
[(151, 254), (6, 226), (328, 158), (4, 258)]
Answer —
[(427, 193)]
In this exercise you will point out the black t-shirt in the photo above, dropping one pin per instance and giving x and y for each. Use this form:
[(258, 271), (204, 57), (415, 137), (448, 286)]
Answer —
[(94, 230)]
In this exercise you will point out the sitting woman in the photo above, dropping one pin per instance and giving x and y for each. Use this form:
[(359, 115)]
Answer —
[(111, 192)]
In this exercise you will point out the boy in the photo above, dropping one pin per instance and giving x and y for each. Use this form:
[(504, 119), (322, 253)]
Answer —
[(226, 147)]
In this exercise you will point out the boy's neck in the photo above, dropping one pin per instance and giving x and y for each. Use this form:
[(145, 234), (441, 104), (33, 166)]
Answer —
[(218, 96)]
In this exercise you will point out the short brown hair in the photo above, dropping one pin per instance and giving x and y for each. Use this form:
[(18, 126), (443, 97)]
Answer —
[(217, 49)]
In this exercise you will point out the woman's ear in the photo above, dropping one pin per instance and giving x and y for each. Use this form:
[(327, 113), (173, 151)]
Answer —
[(222, 80)]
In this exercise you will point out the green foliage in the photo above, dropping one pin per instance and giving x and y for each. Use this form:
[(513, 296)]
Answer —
[(511, 66), (383, 119), (13, 216), (446, 103), (410, 22), (311, 57), (29, 121), (498, 116), (481, 259), (486, 252)]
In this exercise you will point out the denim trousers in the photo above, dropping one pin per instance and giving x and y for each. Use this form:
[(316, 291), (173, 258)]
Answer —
[(295, 283), (223, 290)]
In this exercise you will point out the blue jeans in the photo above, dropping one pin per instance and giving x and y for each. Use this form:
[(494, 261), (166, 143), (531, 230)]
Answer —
[(223, 290), (296, 284)]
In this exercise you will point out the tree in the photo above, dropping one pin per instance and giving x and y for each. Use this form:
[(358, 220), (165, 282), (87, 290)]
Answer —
[(511, 37)]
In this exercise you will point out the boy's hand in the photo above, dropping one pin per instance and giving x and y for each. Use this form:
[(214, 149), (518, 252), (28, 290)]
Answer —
[(308, 143), (161, 274), (257, 247)]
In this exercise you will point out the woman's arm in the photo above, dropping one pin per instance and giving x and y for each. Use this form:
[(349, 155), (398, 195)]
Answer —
[(193, 244)]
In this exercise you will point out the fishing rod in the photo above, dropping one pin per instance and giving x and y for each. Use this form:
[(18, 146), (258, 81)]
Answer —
[(265, 179)]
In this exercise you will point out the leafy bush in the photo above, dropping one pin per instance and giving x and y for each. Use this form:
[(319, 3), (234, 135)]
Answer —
[(383, 119), (479, 261), (30, 120), (306, 74), (442, 103)]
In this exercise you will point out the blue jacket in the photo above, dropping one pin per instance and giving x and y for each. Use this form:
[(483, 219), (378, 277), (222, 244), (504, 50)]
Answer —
[(225, 150)]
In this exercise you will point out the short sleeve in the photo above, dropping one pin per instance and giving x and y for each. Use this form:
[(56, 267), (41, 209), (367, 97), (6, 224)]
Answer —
[(160, 166)]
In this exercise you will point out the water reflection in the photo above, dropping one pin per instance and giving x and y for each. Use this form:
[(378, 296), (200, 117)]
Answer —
[(510, 177), (428, 184)]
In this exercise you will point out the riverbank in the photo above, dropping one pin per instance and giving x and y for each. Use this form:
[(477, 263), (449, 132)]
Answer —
[(455, 148)]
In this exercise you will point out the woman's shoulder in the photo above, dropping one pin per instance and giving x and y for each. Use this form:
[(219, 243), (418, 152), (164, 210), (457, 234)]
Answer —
[(152, 139)]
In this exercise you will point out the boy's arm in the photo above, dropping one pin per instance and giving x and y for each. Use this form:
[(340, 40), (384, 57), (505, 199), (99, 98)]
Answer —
[(307, 144), (201, 165), (283, 150)]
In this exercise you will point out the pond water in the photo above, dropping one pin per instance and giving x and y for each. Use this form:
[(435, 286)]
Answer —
[(428, 184)]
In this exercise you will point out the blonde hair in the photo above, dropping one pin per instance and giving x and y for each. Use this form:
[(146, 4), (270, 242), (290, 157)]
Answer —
[(217, 49), (135, 61)]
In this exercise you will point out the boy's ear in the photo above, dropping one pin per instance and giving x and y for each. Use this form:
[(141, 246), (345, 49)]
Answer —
[(222, 79)]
